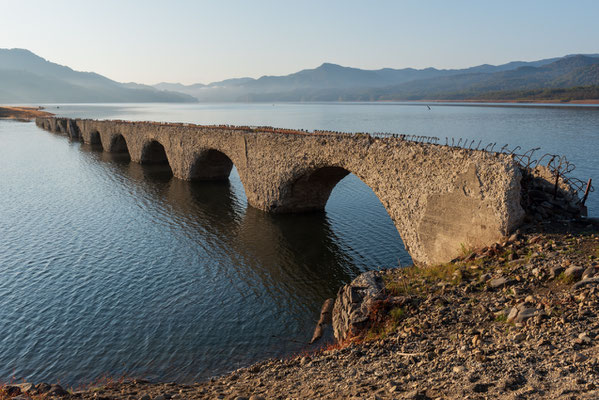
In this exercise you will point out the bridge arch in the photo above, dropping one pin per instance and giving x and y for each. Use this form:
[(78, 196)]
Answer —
[(118, 144), (310, 189), (210, 165), (153, 152), (95, 139)]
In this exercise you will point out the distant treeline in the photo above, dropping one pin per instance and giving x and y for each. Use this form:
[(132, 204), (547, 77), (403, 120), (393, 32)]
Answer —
[(552, 94), (590, 92), (560, 94)]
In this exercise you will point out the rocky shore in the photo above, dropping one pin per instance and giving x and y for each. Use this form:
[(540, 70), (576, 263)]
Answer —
[(517, 320)]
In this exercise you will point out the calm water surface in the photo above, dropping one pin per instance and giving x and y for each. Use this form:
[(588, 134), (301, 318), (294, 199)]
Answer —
[(108, 267)]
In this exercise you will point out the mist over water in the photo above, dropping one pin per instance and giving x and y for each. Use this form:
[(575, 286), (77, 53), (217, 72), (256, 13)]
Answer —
[(110, 267)]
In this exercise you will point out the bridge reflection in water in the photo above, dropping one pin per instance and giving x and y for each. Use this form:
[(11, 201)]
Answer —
[(288, 253)]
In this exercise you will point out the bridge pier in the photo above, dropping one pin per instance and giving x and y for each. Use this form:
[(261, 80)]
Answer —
[(441, 199)]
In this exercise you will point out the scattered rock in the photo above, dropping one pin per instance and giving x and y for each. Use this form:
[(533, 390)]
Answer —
[(42, 388), (57, 390), (588, 273), (481, 387), (585, 282), (574, 272), (556, 270), (12, 391), (498, 282), (324, 320), (513, 381)]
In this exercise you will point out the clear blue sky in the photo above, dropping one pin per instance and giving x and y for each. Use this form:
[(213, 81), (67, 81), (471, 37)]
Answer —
[(200, 41)]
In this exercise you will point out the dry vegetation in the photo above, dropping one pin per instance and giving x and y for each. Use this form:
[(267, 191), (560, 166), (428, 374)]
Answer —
[(22, 113)]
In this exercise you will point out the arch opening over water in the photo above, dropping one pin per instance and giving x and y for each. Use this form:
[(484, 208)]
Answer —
[(311, 191), (358, 218), (211, 165), (118, 144), (153, 153), (95, 139)]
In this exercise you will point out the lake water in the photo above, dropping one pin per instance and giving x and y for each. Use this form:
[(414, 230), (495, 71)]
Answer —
[(111, 268)]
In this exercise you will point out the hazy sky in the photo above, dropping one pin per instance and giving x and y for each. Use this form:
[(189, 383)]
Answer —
[(200, 41)]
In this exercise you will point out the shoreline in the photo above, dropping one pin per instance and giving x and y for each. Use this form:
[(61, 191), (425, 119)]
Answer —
[(516, 319), (22, 113), (580, 102)]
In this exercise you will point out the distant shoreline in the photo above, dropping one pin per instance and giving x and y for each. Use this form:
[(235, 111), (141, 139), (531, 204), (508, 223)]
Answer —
[(555, 101), (22, 113)]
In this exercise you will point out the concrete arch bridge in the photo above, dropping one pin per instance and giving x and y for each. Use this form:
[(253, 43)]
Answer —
[(441, 199)]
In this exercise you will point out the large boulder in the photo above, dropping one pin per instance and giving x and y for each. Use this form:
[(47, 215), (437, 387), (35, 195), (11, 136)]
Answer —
[(353, 304)]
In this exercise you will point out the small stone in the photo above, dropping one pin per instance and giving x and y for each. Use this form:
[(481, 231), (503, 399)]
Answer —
[(481, 387), (512, 315), (417, 395), (26, 387), (529, 299), (57, 390), (535, 239), (583, 337), (588, 273), (145, 397), (498, 282), (543, 342), (458, 369), (12, 391), (556, 270), (519, 337), (574, 272), (585, 282), (42, 387), (525, 314), (579, 357), (254, 369)]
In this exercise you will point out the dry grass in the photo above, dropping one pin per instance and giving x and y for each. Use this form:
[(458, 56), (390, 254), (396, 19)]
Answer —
[(22, 113)]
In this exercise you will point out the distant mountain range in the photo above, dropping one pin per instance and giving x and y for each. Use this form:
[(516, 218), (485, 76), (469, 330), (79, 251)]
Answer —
[(331, 82), (28, 78), (25, 77)]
